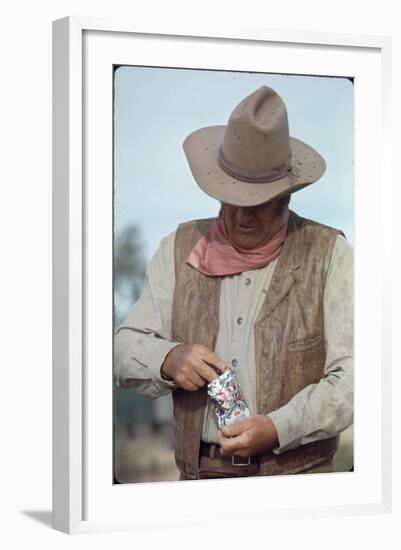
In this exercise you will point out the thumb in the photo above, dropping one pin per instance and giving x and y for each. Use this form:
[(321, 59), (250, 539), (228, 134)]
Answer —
[(234, 429)]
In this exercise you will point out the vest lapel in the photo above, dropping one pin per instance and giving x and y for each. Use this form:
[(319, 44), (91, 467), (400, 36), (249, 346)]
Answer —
[(284, 275)]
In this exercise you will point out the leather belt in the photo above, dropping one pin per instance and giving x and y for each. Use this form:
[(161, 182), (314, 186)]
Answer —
[(213, 451)]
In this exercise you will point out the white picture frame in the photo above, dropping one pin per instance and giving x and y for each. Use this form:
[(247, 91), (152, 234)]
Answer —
[(84, 52)]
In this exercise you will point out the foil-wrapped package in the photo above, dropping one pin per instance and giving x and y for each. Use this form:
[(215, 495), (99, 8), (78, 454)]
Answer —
[(227, 399)]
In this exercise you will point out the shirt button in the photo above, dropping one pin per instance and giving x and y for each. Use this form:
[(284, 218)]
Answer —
[(239, 320), (234, 363), (247, 281)]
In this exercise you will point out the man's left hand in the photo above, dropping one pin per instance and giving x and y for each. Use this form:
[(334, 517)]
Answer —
[(254, 435)]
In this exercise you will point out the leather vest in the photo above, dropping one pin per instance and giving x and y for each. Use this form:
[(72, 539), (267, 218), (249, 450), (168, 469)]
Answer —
[(289, 337)]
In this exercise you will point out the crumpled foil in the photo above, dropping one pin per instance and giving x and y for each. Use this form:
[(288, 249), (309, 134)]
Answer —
[(228, 401)]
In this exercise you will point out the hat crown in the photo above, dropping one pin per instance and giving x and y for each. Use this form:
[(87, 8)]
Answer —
[(256, 143)]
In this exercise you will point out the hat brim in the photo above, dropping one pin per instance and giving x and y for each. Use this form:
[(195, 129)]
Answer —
[(202, 147)]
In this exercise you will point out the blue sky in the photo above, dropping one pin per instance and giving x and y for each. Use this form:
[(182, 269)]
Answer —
[(156, 108)]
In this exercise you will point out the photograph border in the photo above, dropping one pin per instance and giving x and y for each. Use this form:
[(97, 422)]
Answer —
[(69, 252)]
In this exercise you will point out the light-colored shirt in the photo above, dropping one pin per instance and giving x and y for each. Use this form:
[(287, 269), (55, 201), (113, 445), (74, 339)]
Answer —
[(317, 412)]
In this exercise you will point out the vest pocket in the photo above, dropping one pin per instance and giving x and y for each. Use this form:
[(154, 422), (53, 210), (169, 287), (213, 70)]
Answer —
[(301, 345), (305, 362)]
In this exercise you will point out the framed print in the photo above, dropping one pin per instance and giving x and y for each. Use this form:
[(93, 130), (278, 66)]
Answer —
[(147, 127), (125, 100)]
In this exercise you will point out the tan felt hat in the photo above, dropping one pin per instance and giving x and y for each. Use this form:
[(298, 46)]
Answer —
[(253, 159)]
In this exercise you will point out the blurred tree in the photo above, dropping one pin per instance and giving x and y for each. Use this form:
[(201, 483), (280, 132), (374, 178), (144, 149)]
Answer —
[(129, 269)]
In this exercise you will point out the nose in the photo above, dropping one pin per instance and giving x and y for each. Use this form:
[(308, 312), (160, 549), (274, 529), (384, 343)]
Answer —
[(245, 215)]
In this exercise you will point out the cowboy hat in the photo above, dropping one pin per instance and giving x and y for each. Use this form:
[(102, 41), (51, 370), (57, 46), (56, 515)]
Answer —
[(252, 159)]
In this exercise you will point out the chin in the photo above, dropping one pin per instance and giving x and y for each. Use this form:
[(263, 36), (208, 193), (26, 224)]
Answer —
[(245, 244)]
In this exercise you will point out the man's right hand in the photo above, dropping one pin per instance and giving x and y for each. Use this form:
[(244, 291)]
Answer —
[(191, 366)]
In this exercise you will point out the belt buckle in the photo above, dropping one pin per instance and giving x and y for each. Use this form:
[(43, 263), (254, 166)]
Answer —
[(234, 463)]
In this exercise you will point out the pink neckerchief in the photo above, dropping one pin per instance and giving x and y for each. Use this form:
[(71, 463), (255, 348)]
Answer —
[(214, 254)]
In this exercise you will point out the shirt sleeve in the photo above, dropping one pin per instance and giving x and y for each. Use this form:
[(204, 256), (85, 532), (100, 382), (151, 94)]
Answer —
[(323, 410), (143, 340)]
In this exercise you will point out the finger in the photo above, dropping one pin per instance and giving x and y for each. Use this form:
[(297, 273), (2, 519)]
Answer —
[(206, 372), (233, 444), (222, 439), (213, 360), (236, 429), (195, 379)]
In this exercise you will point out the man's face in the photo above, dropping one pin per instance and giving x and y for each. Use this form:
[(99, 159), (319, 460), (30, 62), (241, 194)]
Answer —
[(252, 226)]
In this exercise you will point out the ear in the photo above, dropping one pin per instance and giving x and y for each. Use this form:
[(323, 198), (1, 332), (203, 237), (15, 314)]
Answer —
[(285, 201)]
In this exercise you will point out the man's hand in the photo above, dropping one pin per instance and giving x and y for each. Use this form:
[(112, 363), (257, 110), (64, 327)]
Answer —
[(254, 435), (191, 366)]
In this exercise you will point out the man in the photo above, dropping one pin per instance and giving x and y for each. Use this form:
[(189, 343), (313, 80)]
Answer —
[(258, 289)]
